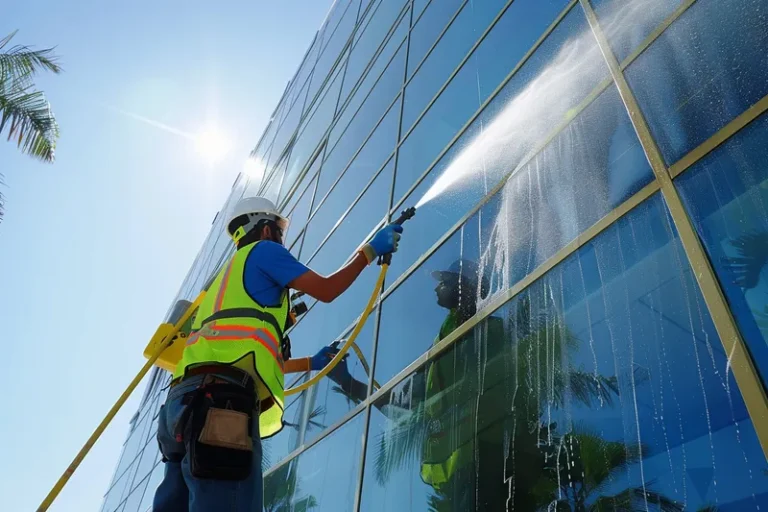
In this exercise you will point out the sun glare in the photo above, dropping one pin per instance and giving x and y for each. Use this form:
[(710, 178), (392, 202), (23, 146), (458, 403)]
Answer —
[(212, 144)]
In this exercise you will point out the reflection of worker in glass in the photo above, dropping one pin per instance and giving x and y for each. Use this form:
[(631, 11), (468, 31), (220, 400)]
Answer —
[(455, 443)]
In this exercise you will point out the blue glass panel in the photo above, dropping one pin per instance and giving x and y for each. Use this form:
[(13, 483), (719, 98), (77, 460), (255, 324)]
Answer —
[(346, 136), (330, 400), (453, 46), (277, 447), (322, 478), (727, 196), (154, 482), (365, 47), (287, 129), (300, 213), (418, 7), (514, 34), (626, 23), (560, 74), (599, 387), (370, 159), (312, 133), (703, 71), (356, 225), (133, 501), (427, 29), (333, 47)]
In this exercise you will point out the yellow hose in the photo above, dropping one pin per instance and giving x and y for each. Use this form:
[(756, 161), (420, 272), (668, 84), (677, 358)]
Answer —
[(113, 411), (352, 337)]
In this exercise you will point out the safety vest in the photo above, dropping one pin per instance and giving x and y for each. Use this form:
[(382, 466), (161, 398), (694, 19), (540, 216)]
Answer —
[(231, 328), (451, 406)]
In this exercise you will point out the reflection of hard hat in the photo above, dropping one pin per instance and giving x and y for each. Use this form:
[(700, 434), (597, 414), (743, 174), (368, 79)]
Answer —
[(247, 214), (464, 269)]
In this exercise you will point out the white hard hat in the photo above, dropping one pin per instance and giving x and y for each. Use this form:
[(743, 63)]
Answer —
[(257, 209)]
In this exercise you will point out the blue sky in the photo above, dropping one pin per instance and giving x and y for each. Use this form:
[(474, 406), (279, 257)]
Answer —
[(95, 247)]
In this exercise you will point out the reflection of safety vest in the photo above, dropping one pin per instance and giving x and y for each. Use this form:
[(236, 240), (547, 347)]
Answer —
[(232, 328), (448, 445), (450, 407)]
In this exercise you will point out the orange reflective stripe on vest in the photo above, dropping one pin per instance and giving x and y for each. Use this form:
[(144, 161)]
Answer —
[(223, 287), (241, 332)]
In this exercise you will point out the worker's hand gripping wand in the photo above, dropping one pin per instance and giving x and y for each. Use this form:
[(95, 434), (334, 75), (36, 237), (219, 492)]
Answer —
[(405, 215)]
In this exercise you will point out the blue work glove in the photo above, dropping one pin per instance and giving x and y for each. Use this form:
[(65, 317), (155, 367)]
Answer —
[(383, 242), (318, 361)]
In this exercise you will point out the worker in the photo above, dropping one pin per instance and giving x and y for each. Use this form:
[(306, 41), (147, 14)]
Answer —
[(227, 391)]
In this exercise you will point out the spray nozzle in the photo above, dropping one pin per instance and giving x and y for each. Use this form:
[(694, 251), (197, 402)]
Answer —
[(405, 215)]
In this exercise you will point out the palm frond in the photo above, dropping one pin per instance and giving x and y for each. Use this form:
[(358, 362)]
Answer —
[(30, 121), (400, 444), (23, 61)]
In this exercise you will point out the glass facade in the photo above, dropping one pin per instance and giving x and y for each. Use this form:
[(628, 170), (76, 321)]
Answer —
[(576, 319)]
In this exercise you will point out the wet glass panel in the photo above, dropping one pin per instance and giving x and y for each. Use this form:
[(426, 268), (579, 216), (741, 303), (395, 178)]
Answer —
[(322, 478), (427, 29), (333, 48), (154, 482), (134, 500), (559, 75), (727, 196), (588, 169), (367, 213), (603, 386), (626, 23), (346, 136), (365, 48), (370, 159), (703, 71), (468, 26)]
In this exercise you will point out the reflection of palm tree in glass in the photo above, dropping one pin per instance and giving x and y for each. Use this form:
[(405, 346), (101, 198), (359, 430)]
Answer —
[(282, 487), (506, 458), (746, 268)]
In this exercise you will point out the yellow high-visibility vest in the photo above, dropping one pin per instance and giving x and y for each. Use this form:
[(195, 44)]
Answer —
[(232, 328)]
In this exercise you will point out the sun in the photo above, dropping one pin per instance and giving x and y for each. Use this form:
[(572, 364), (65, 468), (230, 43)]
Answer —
[(212, 144)]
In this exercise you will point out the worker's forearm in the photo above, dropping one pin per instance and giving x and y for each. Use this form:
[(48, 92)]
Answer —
[(297, 365), (338, 282)]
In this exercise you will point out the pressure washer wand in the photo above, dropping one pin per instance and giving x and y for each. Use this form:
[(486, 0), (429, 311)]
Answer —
[(406, 214)]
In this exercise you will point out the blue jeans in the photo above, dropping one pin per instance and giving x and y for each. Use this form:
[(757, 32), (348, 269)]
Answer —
[(180, 491)]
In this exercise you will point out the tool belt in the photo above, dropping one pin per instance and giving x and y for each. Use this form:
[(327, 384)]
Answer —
[(216, 425)]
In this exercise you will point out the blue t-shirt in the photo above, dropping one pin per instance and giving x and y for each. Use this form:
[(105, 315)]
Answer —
[(268, 270)]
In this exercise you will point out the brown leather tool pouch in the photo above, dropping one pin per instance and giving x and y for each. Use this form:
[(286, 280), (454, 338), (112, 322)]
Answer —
[(218, 434)]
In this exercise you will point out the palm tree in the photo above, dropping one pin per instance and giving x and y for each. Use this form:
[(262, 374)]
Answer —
[(24, 111)]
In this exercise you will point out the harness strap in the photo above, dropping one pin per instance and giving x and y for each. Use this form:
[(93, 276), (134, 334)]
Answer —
[(246, 313)]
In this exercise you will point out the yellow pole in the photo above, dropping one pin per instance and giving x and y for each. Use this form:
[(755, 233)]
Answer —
[(116, 407)]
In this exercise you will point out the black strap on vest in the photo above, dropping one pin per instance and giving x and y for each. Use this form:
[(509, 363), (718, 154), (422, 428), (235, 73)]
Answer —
[(246, 313)]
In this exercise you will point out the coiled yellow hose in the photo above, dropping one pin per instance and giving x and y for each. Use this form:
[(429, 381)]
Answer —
[(348, 344)]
